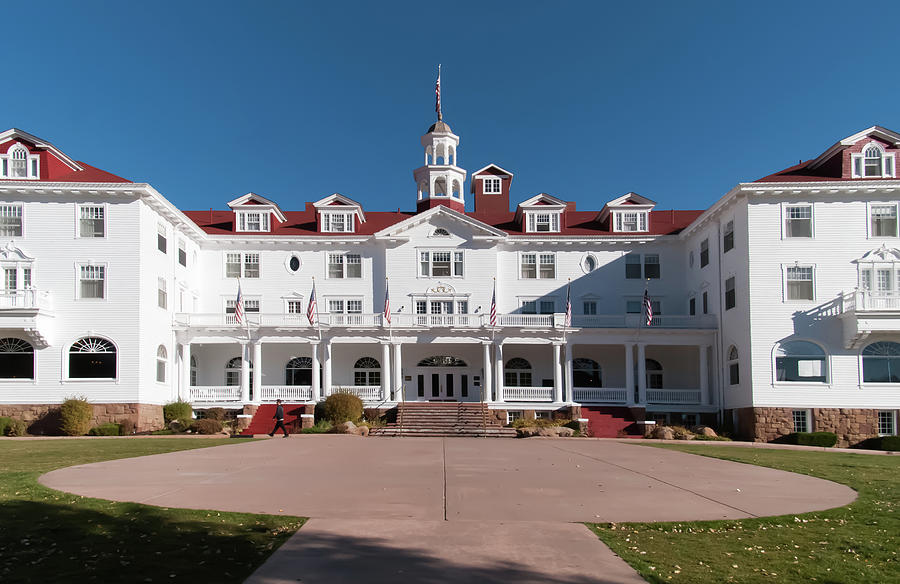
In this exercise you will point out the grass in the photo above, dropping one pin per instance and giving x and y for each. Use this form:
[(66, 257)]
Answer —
[(856, 543), (50, 536)]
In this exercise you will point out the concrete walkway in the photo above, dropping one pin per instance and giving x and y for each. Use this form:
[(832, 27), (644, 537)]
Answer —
[(450, 509)]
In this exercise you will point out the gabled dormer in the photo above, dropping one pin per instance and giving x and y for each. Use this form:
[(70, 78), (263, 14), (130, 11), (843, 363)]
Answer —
[(541, 213), (338, 214), (490, 185), (871, 153), (255, 214), (27, 157), (629, 213)]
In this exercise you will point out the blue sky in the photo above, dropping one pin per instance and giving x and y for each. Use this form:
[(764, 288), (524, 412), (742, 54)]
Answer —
[(678, 101)]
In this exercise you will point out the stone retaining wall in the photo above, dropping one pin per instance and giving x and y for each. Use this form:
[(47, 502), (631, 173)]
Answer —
[(851, 425), (43, 419)]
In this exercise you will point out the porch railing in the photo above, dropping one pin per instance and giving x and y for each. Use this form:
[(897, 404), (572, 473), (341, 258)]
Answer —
[(526, 320), (673, 396), (29, 298), (365, 392), (601, 394), (528, 394), (214, 393), (861, 300), (270, 393)]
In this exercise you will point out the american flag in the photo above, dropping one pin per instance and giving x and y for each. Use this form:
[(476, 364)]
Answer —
[(569, 305), (311, 309), (437, 94), (648, 308), (387, 303), (494, 306), (239, 306)]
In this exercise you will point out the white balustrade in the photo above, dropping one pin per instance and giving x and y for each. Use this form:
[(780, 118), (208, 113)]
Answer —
[(528, 394), (364, 392), (352, 320), (866, 300), (29, 298), (601, 394), (673, 396), (288, 393), (526, 320), (214, 393)]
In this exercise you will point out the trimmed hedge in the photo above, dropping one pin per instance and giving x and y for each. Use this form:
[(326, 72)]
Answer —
[(342, 407), (890, 443), (206, 426), (179, 411), (17, 428), (108, 429), (823, 439), (75, 416), (4, 424)]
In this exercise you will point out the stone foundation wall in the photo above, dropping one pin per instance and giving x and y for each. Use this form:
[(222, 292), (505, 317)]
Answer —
[(851, 425), (43, 419)]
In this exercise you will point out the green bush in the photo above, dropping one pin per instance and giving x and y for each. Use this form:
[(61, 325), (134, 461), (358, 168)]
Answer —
[(321, 427), (4, 424), (890, 443), (108, 429), (712, 438), (342, 407), (127, 427), (17, 428), (543, 423), (206, 426), (215, 414), (178, 411), (75, 416), (823, 439)]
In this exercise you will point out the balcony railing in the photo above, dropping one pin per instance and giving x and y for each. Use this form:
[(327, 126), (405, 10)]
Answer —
[(364, 392), (399, 320), (288, 393), (528, 394), (673, 396), (866, 300), (612, 395), (30, 298), (214, 393)]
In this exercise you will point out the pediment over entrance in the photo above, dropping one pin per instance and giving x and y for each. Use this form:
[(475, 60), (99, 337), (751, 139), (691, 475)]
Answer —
[(440, 288), (12, 253), (881, 254)]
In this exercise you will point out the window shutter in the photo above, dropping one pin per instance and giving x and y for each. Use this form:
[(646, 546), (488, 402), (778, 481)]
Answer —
[(531, 227), (554, 221), (857, 165), (889, 165)]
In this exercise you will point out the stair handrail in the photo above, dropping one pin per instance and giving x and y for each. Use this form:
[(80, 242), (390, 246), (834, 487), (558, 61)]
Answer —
[(483, 414)]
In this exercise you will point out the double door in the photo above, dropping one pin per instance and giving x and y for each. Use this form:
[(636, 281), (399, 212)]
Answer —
[(442, 384)]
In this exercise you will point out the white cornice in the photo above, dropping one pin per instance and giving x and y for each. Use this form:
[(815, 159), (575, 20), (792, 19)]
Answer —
[(419, 218)]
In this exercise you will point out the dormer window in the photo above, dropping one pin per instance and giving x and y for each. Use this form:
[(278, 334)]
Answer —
[(543, 222), (873, 162), (253, 221), (491, 186), (630, 221), (333, 222), (19, 164)]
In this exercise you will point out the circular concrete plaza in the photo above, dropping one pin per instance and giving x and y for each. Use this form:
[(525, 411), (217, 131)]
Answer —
[(450, 509)]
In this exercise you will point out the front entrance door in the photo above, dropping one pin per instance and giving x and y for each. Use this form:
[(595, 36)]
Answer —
[(442, 384)]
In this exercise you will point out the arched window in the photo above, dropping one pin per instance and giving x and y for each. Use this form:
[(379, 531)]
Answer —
[(455, 192), (872, 156), (873, 162), (881, 362), (423, 189), (800, 361), (654, 374), (440, 187), (16, 359), (440, 232), (193, 370), (517, 373), (161, 357), (92, 358), (233, 372), (298, 371), (734, 372), (367, 371), (18, 162), (586, 373)]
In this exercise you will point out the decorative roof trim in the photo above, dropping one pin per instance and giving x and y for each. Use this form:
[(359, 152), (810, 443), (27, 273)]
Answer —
[(14, 133), (264, 203), (419, 218), (874, 132), (326, 204)]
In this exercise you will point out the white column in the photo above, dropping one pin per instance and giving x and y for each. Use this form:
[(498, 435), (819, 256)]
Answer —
[(642, 374), (569, 377), (629, 374), (557, 374), (486, 377), (245, 374), (326, 369), (316, 379), (398, 374), (498, 370), (185, 393), (385, 370), (704, 374), (257, 368)]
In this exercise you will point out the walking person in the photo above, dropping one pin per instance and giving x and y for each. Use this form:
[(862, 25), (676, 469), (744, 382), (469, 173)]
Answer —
[(279, 420)]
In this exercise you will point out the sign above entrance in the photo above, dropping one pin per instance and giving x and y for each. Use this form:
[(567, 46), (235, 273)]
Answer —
[(442, 361)]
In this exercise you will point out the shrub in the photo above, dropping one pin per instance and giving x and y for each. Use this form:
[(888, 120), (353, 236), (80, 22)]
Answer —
[(206, 426), (712, 438), (109, 429), (681, 433), (4, 424), (128, 427), (17, 428), (823, 439), (373, 415), (890, 443), (342, 407), (321, 427), (215, 414), (543, 423), (178, 411), (75, 416)]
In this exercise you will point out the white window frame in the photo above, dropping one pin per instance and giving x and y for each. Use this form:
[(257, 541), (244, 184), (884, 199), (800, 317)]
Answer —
[(808, 421), (784, 282), (287, 263), (642, 221), (584, 260), (858, 163), (345, 304), (249, 302), (826, 366), (785, 216), (78, 207), (537, 264), (869, 219), (67, 350), (104, 267), (327, 221), (344, 264), (296, 300), (243, 264), (728, 230), (893, 422), (32, 164), (162, 232), (162, 293), (457, 259), (263, 221), (551, 219), (162, 364), (492, 180), (182, 249), (21, 208)]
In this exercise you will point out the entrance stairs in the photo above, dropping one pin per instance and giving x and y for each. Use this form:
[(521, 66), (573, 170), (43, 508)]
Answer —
[(263, 422), (610, 422), (444, 419)]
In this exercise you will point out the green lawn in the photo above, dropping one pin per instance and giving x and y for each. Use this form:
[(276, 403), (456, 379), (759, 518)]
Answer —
[(49, 536), (858, 543)]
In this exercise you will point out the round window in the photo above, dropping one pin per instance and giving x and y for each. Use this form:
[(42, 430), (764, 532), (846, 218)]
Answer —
[(589, 264), (293, 264)]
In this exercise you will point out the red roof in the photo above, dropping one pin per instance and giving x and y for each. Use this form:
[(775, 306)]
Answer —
[(90, 174), (798, 173), (304, 223)]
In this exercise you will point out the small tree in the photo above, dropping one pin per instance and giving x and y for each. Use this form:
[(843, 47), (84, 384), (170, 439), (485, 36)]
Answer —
[(75, 416), (180, 411), (342, 407)]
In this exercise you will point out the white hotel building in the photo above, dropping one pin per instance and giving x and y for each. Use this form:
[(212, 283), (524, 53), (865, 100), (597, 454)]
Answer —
[(775, 310)]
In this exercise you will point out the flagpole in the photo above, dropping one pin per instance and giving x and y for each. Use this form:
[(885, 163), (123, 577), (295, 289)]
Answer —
[(568, 310), (318, 320), (387, 311)]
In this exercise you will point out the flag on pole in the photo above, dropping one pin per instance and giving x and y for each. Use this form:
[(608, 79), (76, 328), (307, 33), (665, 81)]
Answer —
[(569, 305), (648, 307), (494, 305), (239, 306), (387, 303), (437, 95), (312, 309)]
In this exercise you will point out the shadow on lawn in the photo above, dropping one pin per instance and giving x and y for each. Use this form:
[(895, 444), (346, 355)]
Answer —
[(124, 542), (316, 557)]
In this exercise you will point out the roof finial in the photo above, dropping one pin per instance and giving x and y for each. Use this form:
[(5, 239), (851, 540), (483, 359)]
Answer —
[(437, 95)]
